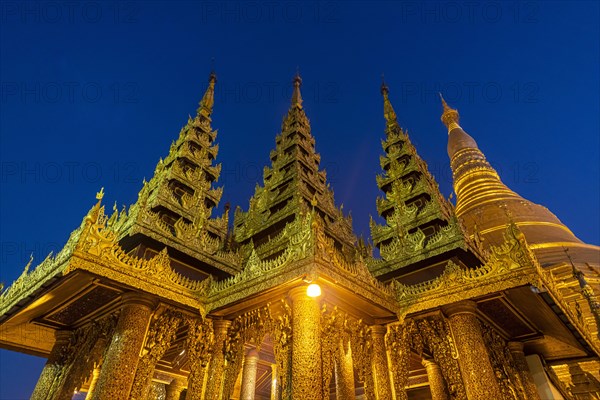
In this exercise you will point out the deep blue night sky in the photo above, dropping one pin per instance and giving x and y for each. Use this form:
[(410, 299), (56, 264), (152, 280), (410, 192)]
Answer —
[(92, 94)]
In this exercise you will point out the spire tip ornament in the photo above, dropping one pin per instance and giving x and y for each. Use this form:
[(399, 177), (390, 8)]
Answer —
[(205, 107), (296, 96), (213, 75), (450, 115), (384, 89), (388, 110)]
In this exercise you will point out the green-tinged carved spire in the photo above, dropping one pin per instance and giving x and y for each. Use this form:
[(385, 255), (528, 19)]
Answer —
[(419, 222), (175, 207), (292, 185)]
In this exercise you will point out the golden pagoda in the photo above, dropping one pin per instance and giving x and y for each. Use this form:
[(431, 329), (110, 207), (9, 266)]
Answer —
[(491, 298)]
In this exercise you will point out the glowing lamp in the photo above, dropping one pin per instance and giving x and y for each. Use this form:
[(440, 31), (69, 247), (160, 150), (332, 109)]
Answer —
[(313, 290)]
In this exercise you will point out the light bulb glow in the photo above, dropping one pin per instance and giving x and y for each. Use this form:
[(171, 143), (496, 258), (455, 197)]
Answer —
[(313, 290)]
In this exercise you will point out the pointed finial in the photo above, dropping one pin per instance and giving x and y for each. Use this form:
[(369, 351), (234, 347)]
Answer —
[(384, 89), (208, 100), (213, 75), (388, 110), (449, 115), (296, 96)]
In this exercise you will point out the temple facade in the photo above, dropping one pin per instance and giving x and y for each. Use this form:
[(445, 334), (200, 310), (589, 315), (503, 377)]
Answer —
[(489, 298)]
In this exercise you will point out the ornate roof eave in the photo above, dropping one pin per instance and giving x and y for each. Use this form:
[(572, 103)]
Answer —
[(29, 282), (228, 262), (379, 266), (510, 265), (51, 268), (309, 254), (415, 247), (94, 248), (511, 260)]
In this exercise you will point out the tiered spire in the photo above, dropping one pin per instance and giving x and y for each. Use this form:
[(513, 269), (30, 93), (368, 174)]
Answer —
[(176, 205), (486, 205), (292, 185), (420, 222)]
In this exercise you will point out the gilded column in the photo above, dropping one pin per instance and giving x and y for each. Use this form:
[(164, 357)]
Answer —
[(156, 392), (344, 374), (475, 366), (86, 353), (174, 389), (249, 375), (274, 383), (306, 346), (381, 371), (216, 372), (53, 366), (122, 355), (93, 383), (161, 333), (437, 385), (516, 349)]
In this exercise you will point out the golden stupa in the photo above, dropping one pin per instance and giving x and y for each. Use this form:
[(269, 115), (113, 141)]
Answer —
[(486, 205)]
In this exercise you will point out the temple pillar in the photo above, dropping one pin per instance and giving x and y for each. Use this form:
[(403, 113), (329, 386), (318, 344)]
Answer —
[(381, 370), (306, 346), (198, 352), (160, 334), (274, 383), (475, 365), (93, 383), (83, 356), (216, 371), (54, 365), (437, 385), (122, 356), (516, 350), (249, 375), (156, 391), (196, 383), (174, 389), (344, 374)]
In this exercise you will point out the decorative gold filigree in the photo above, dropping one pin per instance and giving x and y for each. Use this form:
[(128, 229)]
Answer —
[(199, 346), (159, 337), (509, 265), (250, 327)]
